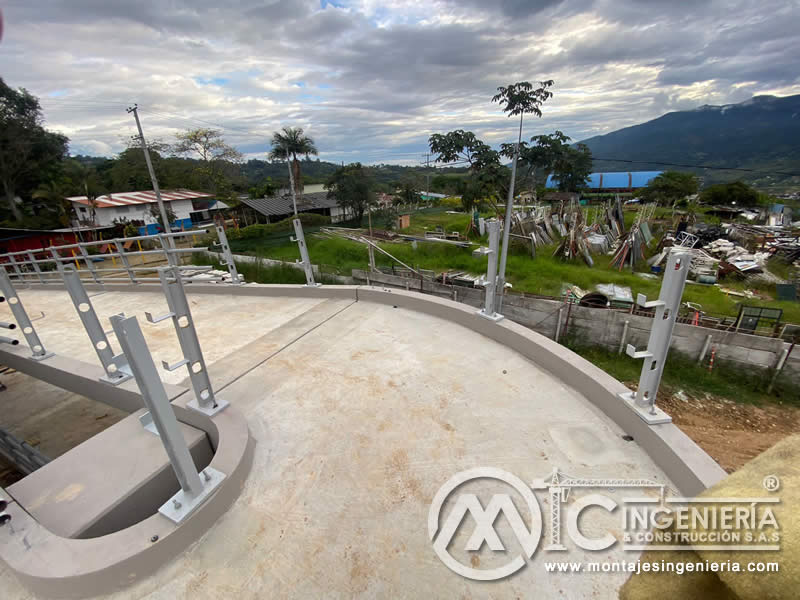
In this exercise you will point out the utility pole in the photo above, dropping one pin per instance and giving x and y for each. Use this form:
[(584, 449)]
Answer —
[(156, 189), (427, 156), (501, 278), (291, 180)]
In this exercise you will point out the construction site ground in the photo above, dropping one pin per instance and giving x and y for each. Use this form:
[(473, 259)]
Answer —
[(731, 432)]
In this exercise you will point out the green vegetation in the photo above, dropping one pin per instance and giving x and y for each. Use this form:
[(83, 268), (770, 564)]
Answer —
[(670, 187), (289, 143), (260, 272), (351, 187), (543, 275), (727, 380), (737, 192)]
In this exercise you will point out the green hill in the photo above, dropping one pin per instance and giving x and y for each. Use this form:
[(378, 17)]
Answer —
[(762, 133)]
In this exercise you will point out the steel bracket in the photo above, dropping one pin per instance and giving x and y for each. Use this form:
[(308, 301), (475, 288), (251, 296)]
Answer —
[(183, 504), (630, 350), (652, 415)]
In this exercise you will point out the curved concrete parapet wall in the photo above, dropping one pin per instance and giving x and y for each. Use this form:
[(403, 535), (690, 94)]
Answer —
[(55, 566), (684, 462)]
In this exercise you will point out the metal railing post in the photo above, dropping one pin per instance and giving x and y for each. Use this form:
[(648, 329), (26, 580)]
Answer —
[(10, 294), (56, 258), (301, 243), (116, 367), (205, 400), (19, 274), (667, 305), (120, 246), (226, 252), (88, 260), (488, 312), (36, 268), (194, 487), (172, 259)]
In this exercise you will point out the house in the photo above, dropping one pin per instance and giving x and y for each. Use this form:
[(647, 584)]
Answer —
[(279, 207), (189, 207), (779, 214)]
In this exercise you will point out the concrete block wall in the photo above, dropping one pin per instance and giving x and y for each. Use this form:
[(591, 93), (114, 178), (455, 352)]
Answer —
[(604, 327)]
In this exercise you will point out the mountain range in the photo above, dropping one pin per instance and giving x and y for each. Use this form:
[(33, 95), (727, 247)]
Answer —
[(762, 134)]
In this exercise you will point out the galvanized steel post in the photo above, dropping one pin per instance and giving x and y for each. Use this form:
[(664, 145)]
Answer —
[(666, 312), (116, 367), (194, 488), (301, 243), (488, 312), (226, 252), (205, 401), (10, 294)]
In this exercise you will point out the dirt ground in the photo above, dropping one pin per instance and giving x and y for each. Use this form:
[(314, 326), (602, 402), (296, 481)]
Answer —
[(731, 432)]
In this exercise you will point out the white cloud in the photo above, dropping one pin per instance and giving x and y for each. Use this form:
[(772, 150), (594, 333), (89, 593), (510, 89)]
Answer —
[(372, 80)]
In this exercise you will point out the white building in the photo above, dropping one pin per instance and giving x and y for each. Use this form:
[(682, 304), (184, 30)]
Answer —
[(188, 206)]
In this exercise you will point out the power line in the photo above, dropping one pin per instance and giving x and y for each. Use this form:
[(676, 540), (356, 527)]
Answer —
[(687, 166)]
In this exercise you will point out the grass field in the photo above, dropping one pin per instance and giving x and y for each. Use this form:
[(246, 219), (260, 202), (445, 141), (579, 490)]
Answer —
[(727, 380), (543, 275)]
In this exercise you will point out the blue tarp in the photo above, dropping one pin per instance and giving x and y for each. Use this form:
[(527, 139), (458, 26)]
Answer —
[(611, 181), (154, 228)]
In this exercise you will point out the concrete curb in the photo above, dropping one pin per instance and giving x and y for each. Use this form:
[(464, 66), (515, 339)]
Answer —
[(55, 566)]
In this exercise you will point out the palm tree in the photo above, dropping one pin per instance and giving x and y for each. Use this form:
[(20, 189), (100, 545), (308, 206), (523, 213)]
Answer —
[(289, 143), (52, 193)]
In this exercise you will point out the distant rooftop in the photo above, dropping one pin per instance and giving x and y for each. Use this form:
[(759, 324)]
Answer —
[(146, 197), (614, 181)]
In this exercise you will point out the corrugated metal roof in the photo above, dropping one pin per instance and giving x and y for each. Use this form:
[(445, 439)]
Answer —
[(147, 197), (282, 205), (616, 180)]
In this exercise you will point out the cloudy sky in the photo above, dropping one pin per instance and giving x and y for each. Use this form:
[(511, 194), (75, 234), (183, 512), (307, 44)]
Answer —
[(370, 80)]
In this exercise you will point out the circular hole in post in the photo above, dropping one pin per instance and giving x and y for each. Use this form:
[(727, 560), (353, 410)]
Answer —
[(27, 330), (83, 307), (13, 300), (101, 345), (37, 348), (183, 321), (112, 368), (197, 367), (204, 395)]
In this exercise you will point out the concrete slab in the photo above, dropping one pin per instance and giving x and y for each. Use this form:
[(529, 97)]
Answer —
[(224, 323), (361, 412)]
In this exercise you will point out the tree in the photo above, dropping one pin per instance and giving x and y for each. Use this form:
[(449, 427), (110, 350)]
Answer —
[(540, 157), (669, 187), (27, 149), (572, 167), (53, 194), (737, 193), (266, 188), (156, 214), (288, 144), (551, 154), (351, 187), (215, 155), (519, 98), (407, 194), (485, 173)]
